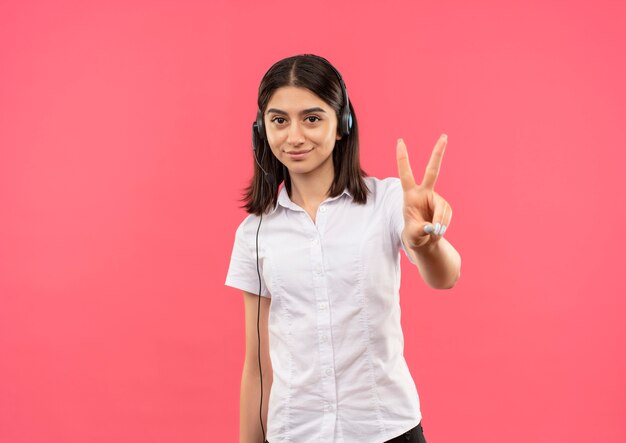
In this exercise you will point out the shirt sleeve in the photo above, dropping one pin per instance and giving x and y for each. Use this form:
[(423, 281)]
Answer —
[(395, 201), (242, 272)]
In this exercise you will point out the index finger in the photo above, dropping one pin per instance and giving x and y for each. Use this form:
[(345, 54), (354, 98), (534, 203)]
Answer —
[(404, 167), (434, 164)]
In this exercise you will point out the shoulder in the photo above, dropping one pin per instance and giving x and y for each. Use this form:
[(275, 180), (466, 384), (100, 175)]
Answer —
[(382, 188), (247, 228)]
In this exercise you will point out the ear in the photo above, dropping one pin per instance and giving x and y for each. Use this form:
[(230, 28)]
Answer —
[(338, 137)]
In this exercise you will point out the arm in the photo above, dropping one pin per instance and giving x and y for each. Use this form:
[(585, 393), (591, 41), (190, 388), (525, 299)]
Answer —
[(438, 263), (250, 394)]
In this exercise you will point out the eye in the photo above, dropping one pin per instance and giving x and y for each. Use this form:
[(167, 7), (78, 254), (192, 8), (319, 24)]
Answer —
[(314, 117), (276, 120)]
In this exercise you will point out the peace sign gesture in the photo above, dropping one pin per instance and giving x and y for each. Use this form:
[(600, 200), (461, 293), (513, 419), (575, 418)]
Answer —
[(426, 214)]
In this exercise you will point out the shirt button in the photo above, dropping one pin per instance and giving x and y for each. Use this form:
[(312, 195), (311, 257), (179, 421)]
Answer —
[(315, 241), (318, 271), (328, 371), (322, 306), (324, 338), (322, 208)]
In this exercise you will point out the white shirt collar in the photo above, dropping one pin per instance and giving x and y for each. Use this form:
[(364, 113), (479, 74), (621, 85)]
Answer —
[(285, 201)]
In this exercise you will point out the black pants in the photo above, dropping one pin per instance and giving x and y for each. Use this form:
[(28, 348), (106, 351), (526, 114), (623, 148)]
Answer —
[(415, 435)]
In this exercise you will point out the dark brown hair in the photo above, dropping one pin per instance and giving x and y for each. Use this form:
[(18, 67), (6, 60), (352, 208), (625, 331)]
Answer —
[(313, 73)]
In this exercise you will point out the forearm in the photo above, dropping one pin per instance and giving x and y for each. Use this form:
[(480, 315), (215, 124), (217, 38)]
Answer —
[(250, 396), (439, 264)]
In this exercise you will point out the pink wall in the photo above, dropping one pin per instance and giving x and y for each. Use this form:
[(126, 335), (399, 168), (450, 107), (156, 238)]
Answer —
[(125, 143)]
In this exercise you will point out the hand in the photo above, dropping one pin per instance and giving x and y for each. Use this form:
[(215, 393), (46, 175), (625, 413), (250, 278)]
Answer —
[(426, 214)]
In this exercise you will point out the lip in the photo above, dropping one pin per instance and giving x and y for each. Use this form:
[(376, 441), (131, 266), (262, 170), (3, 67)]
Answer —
[(297, 155)]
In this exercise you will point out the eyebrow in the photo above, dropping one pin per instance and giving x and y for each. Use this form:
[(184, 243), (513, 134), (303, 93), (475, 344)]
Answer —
[(304, 111)]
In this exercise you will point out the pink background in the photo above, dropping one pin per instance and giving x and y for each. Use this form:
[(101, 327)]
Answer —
[(124, 147)]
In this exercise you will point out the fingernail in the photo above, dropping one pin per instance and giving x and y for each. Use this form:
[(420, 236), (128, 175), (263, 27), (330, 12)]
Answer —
[(428, 229), (437, 228), (443, 229), (444, 136)]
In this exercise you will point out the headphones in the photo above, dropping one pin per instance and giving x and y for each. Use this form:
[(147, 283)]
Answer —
[(258, 127)]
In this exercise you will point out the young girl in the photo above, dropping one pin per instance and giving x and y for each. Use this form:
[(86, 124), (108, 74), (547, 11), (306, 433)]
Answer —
[(318, 262)]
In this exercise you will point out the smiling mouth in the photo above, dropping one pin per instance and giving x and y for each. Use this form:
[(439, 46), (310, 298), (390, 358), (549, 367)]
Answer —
[(298, 152)]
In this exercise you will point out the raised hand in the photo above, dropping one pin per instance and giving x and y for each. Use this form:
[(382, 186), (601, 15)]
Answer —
[(426, 214)]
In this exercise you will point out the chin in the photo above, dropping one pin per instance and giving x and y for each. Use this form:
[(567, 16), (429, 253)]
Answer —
[(300, 169)]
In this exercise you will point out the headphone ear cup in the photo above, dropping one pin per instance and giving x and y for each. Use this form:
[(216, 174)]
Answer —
[(346, 123), (260, 125), (254, 131)]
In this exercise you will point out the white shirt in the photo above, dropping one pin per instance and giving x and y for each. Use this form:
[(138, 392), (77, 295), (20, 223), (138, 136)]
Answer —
[(336, 344)]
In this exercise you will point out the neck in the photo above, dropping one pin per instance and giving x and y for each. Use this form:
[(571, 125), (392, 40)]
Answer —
[(310, 189)]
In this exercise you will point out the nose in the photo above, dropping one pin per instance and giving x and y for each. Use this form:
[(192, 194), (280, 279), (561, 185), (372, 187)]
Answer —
[(295, 136)]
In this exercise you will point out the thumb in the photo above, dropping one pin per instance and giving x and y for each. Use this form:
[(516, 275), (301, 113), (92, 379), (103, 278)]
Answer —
[(428, 228)]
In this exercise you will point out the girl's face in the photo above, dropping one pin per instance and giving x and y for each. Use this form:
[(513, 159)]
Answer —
[(301, 129)]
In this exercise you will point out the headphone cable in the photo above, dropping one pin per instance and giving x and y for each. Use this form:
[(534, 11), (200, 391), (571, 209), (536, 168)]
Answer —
[(258, 329)]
